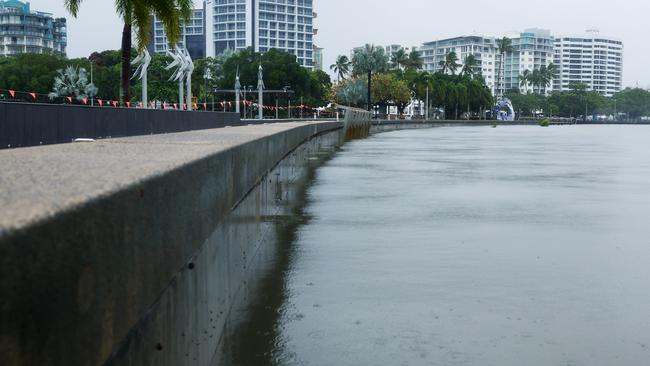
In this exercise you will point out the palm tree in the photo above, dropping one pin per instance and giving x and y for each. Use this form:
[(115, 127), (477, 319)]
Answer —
[(535, 79), (524, 80), (415, 61), (369, 60), (504, 46), (443, 66), (469, 66), (136, 14), (438, 92), (461, 97), (341, 67), (547, 74), (450, 63), (419, 83), (399, 59)]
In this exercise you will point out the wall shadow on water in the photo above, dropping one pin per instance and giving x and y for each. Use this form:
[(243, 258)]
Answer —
[(255, 340)]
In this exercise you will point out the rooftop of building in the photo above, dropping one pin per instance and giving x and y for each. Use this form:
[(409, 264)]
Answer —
[(473, 37), (15, 6), (589, 34)]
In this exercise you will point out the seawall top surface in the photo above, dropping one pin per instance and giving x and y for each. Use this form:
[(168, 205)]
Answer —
[(39, 182)]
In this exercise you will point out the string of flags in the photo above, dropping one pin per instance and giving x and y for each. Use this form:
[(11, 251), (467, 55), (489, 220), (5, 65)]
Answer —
[(34, 97)]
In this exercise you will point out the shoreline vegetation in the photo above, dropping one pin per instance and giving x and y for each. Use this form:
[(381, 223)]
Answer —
[(394, 83)]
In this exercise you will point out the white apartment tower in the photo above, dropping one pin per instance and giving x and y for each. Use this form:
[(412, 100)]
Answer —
[(23, 30), (532, 49), (483, 49), (591, 59), (286, 25), (391, 49)]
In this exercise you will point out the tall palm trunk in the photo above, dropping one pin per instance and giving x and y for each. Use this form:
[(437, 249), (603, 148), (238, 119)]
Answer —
[(502, 72), (125, 92), (369, 90)]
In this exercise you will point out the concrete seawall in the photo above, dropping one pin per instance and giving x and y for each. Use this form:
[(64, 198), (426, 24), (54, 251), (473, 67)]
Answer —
[(391, 125), (145, 250), (140, 251)]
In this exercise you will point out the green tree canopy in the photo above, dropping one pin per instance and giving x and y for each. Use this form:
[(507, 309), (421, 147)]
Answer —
[(633, 101), (281, 70), (387, 89)]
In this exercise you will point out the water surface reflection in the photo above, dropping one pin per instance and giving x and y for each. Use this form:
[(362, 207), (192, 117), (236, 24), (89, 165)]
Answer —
[(466, 246)]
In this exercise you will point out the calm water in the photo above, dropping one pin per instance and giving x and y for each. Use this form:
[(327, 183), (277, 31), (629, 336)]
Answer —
[(466, 246)]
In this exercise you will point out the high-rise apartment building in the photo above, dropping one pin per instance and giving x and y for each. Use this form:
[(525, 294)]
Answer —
[(483, 48), (193, 37), (23, 30), (532, 49), (391, 49), (286, 25), (318, 58), (591, 59)]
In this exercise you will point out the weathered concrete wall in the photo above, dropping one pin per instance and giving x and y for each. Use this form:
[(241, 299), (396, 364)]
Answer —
[(138, 251)]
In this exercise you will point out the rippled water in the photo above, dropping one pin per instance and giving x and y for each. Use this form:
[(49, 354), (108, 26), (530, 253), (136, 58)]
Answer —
[(467, 246)]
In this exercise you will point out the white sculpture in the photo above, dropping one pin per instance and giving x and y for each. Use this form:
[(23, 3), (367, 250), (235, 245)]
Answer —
[(180, 63), (189, 70), (504, 110), (143, 60)]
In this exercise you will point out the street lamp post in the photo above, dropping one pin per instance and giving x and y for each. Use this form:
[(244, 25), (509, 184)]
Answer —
[(426, 107), (260, 93), (206, 76), (246, 88), (285, 88), (237, 93), (92, 97)]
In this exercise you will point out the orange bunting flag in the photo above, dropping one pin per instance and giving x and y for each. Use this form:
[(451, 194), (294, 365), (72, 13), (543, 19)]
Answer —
[(196, 106)]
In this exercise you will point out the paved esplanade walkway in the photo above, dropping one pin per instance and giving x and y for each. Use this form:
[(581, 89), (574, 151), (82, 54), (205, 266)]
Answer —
[(40, 182)]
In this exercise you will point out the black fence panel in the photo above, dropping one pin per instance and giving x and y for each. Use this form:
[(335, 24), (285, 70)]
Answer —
[(28, 124)]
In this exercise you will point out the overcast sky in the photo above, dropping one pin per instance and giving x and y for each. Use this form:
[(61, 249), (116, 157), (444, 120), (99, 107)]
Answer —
[(344, 24)]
